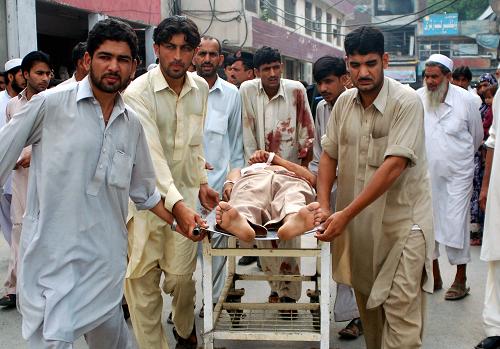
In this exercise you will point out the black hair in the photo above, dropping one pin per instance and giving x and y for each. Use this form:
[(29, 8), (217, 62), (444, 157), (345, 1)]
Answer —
[(444, 69), (246, 59), (177, 25), (464, 71), (266, 55), (114, 30), (328, 65), (78, 52), (364, 40), (229, 60), (208, 37), (31, 58)]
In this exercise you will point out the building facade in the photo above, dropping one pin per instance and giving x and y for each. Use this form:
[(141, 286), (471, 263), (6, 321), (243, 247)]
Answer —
[(55, 26), (303, 30)]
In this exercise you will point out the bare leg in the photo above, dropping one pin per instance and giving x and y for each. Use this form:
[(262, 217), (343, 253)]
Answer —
[(298, 223), (229, 219)]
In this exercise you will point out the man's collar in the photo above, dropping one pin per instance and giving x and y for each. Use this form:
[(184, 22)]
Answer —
[(22, 94), (217, 85), (449, 97), (160, 83), (85, 91), (381, 101), (281, 90)]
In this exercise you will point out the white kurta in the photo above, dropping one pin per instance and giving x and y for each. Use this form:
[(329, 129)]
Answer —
[(73, 251), (453, 133), (490, 250)]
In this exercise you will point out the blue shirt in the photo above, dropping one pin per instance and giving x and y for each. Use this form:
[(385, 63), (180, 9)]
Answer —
[(73, 247), (223, 137)]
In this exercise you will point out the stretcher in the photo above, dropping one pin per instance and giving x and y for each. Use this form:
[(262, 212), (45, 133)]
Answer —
[(232, 319)]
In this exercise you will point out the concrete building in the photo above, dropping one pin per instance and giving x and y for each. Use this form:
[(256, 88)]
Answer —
[(303, 30), (55, 26)]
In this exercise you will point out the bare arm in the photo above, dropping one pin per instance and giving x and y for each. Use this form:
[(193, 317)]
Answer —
[(384, 177), (162, 212), (486, 178), (327, 173)]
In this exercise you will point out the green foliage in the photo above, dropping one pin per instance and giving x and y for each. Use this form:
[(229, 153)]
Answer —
[(467, 9)]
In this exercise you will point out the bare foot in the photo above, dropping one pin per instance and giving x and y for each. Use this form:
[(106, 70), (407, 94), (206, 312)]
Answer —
[(298, 223), (229, 219)]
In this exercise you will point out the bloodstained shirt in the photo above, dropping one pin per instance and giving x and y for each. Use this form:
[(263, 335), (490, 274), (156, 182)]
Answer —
[(282, 124)]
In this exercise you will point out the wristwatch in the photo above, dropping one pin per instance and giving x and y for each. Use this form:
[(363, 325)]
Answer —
[(173, 226)]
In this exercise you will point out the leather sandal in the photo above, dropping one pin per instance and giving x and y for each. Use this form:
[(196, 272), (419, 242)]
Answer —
[(457, 291), (353, 330), (489, 343), (186, 343)]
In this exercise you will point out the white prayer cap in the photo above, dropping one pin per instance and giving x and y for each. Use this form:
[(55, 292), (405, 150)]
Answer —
[(152, 66), (13, 63), (442, 59), (498, 66)]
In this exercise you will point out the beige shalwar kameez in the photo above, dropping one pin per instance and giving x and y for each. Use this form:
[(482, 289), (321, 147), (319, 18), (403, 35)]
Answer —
[(284, 125), (381, 253), (174, 130)]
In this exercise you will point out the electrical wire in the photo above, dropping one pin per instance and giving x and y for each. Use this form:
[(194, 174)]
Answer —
[(370, 24), (276, 9)]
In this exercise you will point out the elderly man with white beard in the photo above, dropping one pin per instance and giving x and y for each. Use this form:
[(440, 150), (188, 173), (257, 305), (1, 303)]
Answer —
[(453, 132)]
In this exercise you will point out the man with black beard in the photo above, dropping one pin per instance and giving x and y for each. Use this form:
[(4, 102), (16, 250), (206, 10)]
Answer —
[(89, 156), (453, 133)]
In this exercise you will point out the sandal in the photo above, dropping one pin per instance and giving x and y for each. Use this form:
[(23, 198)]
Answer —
[(457, 291), (353, 330)]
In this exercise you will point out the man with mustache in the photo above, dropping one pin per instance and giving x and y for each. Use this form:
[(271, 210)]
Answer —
[(89, 157), (36, 70), (277, 119), (453, 133), (172, 105), (15, 84), (242, 69), (222, 136), (382, 227)]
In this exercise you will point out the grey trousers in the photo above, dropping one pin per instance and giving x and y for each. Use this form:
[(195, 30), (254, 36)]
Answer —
[(111, 334)]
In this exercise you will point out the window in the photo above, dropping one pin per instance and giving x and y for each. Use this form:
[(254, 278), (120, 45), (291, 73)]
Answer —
[(339, 31), (329, 28), (400, 42), (251, 5), (290, 13), (268, 9), (394, 7), (318, 26), (427, 48), (308, 25)]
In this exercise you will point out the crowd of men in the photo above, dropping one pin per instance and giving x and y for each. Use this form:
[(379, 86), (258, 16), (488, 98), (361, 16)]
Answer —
[(105, 176)]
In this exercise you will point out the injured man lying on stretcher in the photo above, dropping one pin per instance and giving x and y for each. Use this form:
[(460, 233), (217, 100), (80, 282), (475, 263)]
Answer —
[(266, 196)]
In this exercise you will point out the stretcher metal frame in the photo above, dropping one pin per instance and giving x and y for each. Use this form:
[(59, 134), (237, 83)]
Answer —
[(229, 305)]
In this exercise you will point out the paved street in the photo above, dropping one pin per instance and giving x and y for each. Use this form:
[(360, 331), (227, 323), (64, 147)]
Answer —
[(453, 325)]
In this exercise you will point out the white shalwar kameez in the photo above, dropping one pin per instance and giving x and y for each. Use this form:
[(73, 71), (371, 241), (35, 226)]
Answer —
[(490, 251), (453, 133), (73, 251)]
